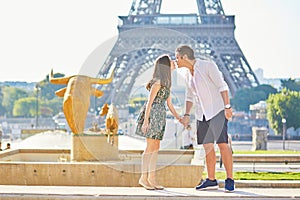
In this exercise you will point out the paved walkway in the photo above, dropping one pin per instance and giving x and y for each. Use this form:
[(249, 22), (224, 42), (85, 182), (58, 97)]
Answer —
[(8, 192)]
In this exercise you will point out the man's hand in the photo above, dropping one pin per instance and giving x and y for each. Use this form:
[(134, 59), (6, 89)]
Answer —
[(185, 120), (228, 113)]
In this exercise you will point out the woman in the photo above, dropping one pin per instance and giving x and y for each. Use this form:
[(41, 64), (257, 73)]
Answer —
[(151, 121)]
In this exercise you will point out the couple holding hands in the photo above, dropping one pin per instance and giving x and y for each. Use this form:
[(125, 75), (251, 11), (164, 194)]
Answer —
[(207, 90)]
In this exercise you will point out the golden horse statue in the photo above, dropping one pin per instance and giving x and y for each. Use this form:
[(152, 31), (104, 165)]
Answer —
[(111, 121)]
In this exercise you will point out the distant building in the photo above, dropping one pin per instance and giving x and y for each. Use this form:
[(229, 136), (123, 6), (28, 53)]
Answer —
[(259, 74), (258, 110), (240, 127), (275, 82)]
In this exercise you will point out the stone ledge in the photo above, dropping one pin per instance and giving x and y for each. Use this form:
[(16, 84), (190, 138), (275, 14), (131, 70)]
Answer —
[(138, 193), (264, 184)]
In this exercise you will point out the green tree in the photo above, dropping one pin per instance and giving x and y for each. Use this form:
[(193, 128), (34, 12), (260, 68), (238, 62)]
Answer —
[(247, 96), (284, 105), (290, 84), (267, 89), (18, 102), (47, 90), (10, 95), (25, 107), (51, 107), (2, 109), (49, 103)]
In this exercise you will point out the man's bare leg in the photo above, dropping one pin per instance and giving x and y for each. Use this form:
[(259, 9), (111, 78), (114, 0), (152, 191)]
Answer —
[(210, 160), (226, 154)]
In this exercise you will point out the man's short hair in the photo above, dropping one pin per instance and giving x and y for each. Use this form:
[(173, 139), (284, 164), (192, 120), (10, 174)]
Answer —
[(185, 50)]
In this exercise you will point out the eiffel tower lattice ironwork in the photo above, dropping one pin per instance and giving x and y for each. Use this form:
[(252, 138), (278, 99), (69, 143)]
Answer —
[(146, 33)]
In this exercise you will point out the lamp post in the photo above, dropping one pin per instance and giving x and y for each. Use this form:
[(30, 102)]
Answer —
[(283, 132), (37, 89)]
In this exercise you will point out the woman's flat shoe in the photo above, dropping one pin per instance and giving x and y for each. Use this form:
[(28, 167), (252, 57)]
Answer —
[(157, 187), (145, 185)]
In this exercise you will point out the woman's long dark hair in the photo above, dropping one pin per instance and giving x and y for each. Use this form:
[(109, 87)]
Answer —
[(162, 72)]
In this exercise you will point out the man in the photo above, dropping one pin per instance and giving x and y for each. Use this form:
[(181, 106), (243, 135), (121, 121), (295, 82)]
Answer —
[(207, 89), (7, 146), (187, 138)]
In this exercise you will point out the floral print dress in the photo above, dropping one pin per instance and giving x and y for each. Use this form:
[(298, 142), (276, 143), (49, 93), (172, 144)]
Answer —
[(157, 119)]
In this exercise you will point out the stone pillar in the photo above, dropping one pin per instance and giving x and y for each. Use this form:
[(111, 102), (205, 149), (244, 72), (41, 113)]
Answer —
[(259, 138), (94, 147)]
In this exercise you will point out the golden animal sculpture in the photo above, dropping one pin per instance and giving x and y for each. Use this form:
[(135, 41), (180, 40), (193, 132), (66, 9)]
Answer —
[(111, 121), (77, 97)]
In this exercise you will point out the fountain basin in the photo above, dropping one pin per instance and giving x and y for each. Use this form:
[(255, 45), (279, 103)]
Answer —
[(53, 167)]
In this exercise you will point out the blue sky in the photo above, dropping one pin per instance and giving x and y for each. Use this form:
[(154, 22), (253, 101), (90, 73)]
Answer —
[(39, 35)]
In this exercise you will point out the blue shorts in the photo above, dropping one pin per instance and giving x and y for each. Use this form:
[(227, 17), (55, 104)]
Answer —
[(213, 130)]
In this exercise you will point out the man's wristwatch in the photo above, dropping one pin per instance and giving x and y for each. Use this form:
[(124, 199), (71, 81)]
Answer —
[(227, 106)]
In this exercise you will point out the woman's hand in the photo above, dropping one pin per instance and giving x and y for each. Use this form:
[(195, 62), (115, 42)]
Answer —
[(185, 120), (145, 127)]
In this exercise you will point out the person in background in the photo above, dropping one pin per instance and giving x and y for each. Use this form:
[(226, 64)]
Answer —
[(187, 138), (7, 146), (151, 122), (207, 89)]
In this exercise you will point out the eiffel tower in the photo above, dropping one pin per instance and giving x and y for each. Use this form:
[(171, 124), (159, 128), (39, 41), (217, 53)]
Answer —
[(145, 34)]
